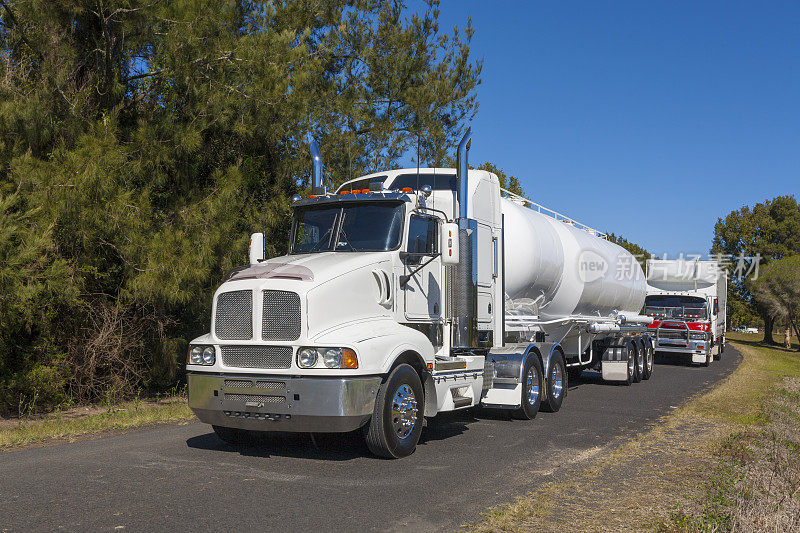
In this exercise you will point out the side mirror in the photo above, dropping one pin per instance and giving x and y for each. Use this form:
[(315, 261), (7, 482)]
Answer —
[(448, 243), (256, 248)]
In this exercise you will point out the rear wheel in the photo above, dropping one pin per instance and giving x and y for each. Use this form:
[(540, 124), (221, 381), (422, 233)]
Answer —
[(531, 389), (638, 372), (396, 423), (649, 357), (631, 366), (556, 384)]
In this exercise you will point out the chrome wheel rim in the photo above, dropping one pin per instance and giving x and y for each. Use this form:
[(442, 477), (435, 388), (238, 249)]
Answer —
[(649, 360), (557, 376), (404, 411), (640, 364), (532, 384), (631, 362)]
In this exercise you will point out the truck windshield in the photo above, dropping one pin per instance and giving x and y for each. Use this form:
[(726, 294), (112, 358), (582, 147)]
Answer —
[(666, 306), (349, 228)]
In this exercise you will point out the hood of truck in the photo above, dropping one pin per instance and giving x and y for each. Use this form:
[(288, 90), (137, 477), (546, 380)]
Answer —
[(316, 268), (334, 289)]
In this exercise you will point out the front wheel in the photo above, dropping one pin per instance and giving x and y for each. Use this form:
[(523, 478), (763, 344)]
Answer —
[(396, 423)]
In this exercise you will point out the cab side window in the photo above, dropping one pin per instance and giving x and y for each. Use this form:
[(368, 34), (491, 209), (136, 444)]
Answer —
[(423, 235)]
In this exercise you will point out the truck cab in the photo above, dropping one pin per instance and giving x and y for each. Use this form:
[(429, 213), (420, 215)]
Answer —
[(686, 300), (307, 341)]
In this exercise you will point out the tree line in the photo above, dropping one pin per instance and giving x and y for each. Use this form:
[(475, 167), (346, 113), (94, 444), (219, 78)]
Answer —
[(141, 142)]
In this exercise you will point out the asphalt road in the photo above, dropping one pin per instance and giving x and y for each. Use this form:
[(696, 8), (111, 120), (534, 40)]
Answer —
[(173, 477)]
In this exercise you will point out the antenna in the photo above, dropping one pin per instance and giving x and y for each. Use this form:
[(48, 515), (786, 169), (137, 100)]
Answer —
[(417, 189)]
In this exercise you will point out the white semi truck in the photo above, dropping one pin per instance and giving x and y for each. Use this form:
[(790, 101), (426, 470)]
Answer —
[(408, 293), (687, 300)]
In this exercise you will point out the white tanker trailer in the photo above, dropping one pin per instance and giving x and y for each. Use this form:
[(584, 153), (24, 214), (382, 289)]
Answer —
[(412, 292)]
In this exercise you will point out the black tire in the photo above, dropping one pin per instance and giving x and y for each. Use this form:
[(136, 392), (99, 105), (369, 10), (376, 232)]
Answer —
[(638, 371), (707, 362), (531, 398), (631, 365), (556, 384), (574, 373), (234, 436), (400, 403), (649, 361), (720, 350)]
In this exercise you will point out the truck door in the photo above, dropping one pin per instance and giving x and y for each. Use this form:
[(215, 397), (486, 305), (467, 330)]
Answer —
[(423, 292)]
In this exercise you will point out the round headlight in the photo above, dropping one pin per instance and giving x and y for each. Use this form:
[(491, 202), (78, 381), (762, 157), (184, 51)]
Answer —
[(333, 357), (307, 357), (208, 355), (196, 355)]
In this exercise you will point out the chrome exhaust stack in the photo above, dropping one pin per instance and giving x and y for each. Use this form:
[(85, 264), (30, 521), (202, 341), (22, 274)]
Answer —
[(464, 276), (462, 170), (316, 157)]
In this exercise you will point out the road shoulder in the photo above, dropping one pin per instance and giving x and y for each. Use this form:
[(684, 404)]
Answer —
[(668, 477)]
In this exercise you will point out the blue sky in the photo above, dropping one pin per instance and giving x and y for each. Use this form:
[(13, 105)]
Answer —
[(646, 119)]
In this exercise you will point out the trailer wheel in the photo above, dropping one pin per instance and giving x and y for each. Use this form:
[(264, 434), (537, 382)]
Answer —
[(648, 361), (556, 384), (531, 389), (638, 372), (631, 366), (396, 423)]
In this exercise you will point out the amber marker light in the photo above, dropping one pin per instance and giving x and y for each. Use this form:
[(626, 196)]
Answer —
[(349, 359), (407, 189)]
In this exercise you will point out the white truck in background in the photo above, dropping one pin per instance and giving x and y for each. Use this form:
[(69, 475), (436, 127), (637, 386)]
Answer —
[(408, 293), (687, 300)]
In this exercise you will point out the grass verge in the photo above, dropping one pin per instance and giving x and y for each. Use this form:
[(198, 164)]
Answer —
[(85, 421), (705, 466)]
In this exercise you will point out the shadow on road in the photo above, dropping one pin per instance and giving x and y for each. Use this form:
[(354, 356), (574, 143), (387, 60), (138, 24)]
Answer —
[(330, 446), (673, 359)]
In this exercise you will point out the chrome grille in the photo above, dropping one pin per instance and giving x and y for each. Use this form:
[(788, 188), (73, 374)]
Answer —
[(238, 383), (280, 320), (260, 398), (270, 385), (234, 320), (257, 356), (672, 334)]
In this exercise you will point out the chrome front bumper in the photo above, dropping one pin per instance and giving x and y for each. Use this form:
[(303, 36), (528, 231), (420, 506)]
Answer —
[(282, 403), (695, 348)]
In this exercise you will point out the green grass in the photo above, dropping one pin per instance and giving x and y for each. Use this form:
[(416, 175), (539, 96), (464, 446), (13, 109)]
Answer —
[(697, 476), (92, 420)]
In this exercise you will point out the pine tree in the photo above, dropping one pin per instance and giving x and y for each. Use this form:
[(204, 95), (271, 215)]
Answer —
[(142, 142)]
